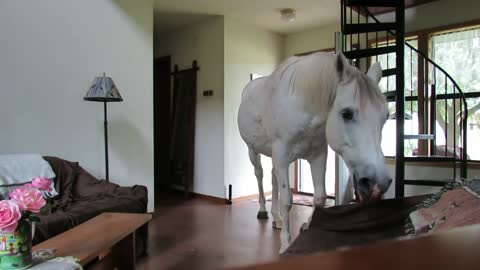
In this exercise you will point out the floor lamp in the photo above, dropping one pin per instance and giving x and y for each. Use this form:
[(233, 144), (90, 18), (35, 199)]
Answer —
[(103, 89)]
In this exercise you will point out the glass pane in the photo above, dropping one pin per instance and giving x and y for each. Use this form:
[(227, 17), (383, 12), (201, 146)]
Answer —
[(386, 84), (305, 175), (387, 61), (458, 53)]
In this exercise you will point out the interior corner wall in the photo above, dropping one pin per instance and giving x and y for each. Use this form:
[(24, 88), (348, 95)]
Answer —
[(318, 38), (51, 50), (204, 42), (248, 49)]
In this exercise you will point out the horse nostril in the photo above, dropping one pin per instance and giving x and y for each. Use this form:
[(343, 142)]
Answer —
[(389, 181), (365, 182)]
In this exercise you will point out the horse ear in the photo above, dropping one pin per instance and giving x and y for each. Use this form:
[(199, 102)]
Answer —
[(375, 72), (340, 65)]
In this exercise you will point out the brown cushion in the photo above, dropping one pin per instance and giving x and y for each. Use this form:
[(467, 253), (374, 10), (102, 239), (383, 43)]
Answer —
[(87, 186), (65, 172)]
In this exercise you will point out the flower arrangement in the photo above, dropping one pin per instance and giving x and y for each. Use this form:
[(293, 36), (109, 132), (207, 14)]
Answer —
[(24, 202)]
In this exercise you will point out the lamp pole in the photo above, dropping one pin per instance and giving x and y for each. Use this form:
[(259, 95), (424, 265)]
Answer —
[(103, 89), (105, 123)]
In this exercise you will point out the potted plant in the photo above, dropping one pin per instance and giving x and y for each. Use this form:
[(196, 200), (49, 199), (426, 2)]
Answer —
[(17, 214)]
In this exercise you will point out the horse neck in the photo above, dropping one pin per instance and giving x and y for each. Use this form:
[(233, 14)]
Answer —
[(318, 90)]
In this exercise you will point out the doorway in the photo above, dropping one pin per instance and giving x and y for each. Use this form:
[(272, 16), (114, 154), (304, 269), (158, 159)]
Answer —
[(161, 121), (182, 128)]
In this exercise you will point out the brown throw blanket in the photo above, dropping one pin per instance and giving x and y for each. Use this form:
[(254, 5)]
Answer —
[(351, 225), (455, 208)]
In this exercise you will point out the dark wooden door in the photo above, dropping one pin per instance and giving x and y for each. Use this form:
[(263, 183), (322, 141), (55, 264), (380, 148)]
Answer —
[(182, 143), (161, 118)]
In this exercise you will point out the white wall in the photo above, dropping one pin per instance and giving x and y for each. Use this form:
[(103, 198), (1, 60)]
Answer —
[(203, 42), (50, 52), (318, 38), (248, 49)]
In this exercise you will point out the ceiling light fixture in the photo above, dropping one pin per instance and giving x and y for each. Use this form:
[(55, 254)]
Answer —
[(288, 14)]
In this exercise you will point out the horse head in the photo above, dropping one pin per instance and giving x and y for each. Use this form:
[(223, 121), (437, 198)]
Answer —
[(354, 128)]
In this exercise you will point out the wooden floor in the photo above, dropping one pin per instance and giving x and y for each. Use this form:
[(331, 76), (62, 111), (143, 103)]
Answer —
[(198, 234)]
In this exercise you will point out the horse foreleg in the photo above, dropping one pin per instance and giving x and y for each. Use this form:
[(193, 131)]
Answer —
[(277, 220), (318, 166), (280, 165), (257, 164)]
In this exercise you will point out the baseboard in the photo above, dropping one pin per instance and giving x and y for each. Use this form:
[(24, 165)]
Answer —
[(213, 199), (249, 197), (181, 189), (255, 196)]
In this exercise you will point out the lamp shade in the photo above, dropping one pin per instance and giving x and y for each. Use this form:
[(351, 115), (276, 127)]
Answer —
[(103, 89)]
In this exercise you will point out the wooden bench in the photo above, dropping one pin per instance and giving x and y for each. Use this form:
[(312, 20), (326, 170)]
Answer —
[(108, 237)]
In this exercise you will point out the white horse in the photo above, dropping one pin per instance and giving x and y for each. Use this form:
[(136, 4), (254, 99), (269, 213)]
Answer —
[(292, 114)]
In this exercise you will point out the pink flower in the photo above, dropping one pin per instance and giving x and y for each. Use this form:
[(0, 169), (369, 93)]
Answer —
[(9, 216), (28, 185), (42, 183), (28, 199)]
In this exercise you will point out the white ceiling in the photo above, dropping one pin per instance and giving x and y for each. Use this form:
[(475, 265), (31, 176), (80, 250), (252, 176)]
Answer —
[(172, 14)]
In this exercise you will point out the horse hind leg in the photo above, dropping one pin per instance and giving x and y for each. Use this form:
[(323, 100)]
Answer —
[(277, 219), (257, 164), (280, 163)]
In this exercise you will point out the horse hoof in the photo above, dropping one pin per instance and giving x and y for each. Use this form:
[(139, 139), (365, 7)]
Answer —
[(277, 225), (262, 215), (283, 249)]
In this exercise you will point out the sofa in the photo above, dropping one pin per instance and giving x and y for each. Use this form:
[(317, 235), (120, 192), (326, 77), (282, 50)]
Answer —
[(82, 197)]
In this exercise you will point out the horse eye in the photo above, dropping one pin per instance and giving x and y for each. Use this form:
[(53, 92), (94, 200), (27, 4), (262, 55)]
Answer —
[(347, 114)]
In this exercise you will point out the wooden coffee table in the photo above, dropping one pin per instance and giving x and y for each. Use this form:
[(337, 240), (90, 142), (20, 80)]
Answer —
[(109, 237)]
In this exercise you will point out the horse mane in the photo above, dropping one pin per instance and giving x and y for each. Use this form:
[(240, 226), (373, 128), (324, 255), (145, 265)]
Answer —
[(314, 77), (311, 77)]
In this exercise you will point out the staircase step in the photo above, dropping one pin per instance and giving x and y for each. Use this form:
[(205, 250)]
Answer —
[(390, 96), (369, 52), (358, 28), (419, 137), (433, 183), (389, 72), (429, 159), (372, 3)]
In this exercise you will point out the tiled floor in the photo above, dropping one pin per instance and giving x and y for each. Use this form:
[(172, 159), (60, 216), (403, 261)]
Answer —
[(197, 234)]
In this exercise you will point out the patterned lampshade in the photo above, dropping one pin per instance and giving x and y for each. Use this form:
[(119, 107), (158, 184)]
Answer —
[(103, 89)]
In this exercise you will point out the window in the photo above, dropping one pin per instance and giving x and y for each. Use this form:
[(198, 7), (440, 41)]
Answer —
[(457, 51), (388, 84)]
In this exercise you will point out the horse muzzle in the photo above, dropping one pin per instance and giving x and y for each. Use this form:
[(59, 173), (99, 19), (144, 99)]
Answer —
[(367, 190)]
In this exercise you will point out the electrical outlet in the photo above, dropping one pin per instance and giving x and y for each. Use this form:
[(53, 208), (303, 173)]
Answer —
[(208, 93)]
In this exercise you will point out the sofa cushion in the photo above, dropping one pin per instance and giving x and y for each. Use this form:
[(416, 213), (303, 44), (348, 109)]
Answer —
[(87, 186), (65, 178)]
